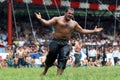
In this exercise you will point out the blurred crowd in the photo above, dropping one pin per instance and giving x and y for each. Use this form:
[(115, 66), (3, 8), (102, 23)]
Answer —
[(31, 45)]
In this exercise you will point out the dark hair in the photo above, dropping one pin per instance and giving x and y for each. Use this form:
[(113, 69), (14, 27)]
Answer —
[(69, 8)]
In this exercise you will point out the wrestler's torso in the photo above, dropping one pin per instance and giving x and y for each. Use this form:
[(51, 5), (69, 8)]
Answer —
[(63, 28)]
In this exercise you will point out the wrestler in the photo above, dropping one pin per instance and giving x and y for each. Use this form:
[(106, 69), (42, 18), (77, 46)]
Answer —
[(63, 26)]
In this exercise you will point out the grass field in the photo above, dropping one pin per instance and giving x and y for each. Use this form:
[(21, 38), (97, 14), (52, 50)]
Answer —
[(81, 73)]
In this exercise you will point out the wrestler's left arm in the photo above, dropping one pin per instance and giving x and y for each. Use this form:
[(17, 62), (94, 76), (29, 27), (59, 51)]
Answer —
[(78, 28)]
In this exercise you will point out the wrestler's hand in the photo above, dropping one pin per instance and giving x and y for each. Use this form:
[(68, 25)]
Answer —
[(38, 15), (97, 29)]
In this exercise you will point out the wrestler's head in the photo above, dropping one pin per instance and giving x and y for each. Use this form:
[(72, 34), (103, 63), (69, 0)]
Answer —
[(69, 13)]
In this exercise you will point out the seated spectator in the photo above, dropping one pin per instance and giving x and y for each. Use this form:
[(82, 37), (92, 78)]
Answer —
[(37, 62), (15, 61), (90, 62), (109, 63), (84, 62), (28, 61), (118, 63), (4, 64), (0, 64), (98, 63)]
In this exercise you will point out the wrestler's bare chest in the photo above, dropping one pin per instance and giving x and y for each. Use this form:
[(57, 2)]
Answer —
[(65, 27)]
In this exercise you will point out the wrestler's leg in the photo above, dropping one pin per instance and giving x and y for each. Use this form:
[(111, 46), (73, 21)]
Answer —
[(51, 57), (62, 59)]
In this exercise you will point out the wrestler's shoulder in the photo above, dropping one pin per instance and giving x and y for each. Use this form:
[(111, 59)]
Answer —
[(57, 17), (73, 21)]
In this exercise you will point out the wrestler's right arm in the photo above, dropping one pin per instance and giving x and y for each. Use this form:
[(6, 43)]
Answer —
[(49, 22)]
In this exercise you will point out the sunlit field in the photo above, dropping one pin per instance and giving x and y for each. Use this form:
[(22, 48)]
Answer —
[(81, 73)]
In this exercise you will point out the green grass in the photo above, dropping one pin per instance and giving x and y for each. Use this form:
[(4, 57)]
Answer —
[(81, 73)]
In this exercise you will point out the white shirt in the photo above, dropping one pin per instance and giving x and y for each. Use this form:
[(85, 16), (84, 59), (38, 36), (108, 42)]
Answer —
[(92, 53)]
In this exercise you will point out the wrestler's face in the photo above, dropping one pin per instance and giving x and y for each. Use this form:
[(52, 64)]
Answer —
[(69, 15)]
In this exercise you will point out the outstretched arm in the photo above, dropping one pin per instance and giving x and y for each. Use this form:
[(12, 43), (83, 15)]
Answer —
[(87, 31), (50, 22)]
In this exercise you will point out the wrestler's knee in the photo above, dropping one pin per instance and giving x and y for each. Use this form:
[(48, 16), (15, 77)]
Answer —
[(62, 63), (48, 64)]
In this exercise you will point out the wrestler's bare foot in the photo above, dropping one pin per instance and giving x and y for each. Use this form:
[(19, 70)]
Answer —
[(43, 73), (59, 72)]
